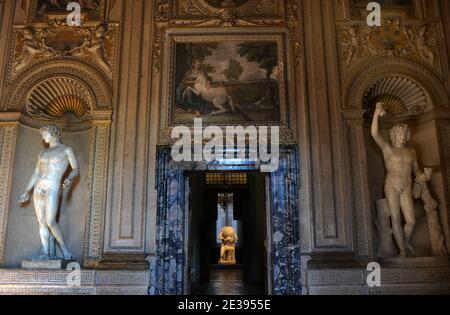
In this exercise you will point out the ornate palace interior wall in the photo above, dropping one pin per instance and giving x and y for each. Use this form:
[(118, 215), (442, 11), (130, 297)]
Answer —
[(332, 64)]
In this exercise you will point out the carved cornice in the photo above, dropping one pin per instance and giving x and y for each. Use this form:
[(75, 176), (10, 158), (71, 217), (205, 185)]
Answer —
[(251, 9), (9, 117), (353, 114), (198, 13), (102, 116)]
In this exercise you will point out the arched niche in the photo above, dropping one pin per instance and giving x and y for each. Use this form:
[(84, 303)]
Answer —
[(413, 95), (77, 98)]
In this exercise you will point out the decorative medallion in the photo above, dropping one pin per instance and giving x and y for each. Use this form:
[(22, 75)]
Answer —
[(389, 37), (392, 39), (64, 39)]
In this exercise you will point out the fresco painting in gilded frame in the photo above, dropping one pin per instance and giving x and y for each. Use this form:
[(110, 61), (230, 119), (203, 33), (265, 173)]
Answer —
[(227, 80)]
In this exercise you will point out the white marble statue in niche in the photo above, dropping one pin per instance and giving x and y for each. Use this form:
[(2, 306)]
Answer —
[(400, 190), (47, 185), (400, 163)]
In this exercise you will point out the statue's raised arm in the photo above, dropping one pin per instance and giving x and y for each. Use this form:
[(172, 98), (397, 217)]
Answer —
[(379, 112)]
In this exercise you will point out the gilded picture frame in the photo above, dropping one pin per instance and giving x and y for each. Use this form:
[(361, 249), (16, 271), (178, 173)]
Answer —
[(279, 76)]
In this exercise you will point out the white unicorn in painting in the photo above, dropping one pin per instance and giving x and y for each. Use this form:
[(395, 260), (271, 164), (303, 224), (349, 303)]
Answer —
[(218, 96)]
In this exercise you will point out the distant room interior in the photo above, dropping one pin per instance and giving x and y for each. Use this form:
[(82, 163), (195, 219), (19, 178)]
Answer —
[(234, 200)]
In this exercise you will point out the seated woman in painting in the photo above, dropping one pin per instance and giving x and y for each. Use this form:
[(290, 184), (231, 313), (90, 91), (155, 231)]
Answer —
[(187, 96)]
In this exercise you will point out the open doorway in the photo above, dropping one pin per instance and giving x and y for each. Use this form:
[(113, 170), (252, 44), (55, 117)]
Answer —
[(232, 199)]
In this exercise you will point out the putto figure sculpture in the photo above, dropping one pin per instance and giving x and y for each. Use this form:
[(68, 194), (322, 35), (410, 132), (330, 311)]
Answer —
[(400, 162), (52, 164), (228, 249)]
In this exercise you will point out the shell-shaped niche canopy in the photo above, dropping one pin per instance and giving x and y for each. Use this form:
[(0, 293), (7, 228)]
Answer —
[(59, 99), (401, 97)]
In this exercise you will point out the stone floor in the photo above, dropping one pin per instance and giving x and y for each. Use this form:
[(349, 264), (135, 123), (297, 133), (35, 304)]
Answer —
[(228, 282)]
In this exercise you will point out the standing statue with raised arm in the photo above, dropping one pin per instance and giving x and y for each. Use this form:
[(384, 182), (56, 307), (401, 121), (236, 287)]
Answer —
[(400, 162), (47, 182)]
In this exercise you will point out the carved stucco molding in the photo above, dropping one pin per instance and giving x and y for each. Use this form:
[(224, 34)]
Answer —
[(93, 79), (366, 73), (94, 43), (248, 10), (293, 25), (97, 186), (254, 13), (158, 46), (9, 123), (395, 38)]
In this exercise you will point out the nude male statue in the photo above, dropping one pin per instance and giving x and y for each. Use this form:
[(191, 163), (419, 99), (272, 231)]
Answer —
[(52, 164), (400, 162)]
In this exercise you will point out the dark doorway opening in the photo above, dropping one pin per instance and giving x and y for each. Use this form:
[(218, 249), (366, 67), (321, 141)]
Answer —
[(227, 199)]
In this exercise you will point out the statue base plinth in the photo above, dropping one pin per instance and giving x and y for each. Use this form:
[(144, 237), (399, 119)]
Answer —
[(56, 264), (415, 262)]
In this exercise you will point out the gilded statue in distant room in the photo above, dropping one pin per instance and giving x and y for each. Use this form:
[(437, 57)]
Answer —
[(46, 183), (400, 162), (228, 249)]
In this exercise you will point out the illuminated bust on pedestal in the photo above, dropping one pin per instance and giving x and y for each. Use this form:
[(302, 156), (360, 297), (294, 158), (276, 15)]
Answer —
[(228, 249)]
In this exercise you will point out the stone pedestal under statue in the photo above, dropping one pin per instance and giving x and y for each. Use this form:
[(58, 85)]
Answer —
[(55, 264)]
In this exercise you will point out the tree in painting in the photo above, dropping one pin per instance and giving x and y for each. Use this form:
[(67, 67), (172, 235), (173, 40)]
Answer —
[(234, 70), (265, 54)]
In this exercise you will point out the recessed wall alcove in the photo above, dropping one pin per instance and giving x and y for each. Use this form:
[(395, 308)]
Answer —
[(75, 97), (408, 99)]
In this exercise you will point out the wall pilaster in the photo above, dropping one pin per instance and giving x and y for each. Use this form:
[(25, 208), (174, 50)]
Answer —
[(9, 125)]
